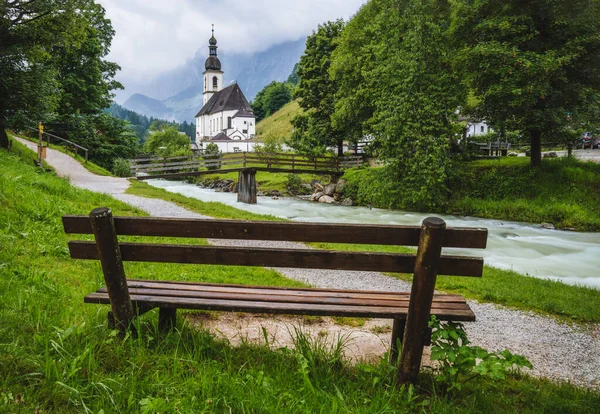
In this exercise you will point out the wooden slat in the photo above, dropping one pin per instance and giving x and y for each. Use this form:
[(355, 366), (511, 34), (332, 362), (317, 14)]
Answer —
[(282, 307), (280, 290), (279, 231), (257, 297), (297, 258)]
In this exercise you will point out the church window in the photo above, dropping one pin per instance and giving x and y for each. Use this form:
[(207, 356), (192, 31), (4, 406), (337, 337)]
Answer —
[(482, 127), (245, 131), (228, 122), (205, 83), (215, 83), (244, 122), (221, 122)]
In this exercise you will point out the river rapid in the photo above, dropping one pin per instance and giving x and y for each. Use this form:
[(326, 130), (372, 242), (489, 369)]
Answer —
[(570, 257)]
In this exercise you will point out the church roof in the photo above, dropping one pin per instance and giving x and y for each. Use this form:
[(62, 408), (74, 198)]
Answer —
[(243, 113), (227, 99), (221, 136)]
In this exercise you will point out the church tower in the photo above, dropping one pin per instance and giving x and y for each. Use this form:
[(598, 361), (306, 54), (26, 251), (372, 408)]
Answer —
[(213, 75)]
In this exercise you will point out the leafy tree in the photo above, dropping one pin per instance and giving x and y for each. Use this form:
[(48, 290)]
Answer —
[(316, 89), (28, 30), (293, 79), (531, 63), (167, 142), (397, 82), (271, 98)]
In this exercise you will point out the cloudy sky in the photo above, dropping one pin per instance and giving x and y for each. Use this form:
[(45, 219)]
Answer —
[(156, 35)]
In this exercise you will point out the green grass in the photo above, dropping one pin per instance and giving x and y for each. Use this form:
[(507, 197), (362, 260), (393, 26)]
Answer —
[(88, 165), (211, 208), (278, 125), (57, 355), (562, 191)]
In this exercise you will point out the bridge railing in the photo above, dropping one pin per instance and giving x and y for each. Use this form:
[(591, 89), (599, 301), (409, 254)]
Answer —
[(156, 165)]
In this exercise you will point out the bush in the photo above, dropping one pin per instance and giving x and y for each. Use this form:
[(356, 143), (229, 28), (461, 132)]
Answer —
[(211, 152), (293, 183), (121, 168)]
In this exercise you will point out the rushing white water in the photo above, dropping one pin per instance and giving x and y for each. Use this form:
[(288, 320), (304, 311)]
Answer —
[(571, 257)]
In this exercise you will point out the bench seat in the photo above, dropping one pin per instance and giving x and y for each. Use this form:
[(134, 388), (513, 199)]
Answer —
[(283, 300)]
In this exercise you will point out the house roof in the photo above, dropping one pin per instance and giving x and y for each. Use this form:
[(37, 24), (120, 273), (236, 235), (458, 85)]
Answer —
[(227, 99), (243, 113), (221, 136)]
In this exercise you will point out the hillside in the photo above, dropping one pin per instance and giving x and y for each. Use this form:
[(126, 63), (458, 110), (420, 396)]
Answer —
[(278, 125)]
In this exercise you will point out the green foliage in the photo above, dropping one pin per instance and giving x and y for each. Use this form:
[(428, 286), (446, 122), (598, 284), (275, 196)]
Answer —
[(142, 124), (51, 61), (271, 98), (394, 68), (294, 78), (270, 145), (211, 152), (167, 142), (293, 183), (532, 63), (121, 168), (459, 361), (314, 131)]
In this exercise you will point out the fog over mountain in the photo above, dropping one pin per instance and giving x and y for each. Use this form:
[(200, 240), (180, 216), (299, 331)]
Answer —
[(177, 94)]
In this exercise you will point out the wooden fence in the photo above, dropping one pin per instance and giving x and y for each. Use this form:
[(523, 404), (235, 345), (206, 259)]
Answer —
[(274, 161)]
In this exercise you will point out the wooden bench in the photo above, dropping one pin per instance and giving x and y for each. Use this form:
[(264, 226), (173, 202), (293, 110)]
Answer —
[(409, 311)]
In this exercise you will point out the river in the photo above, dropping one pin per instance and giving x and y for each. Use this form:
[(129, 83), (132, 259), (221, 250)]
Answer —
[(571, 257)]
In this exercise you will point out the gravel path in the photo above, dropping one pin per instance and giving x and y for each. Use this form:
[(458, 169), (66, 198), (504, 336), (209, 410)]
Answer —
[(556, 350)]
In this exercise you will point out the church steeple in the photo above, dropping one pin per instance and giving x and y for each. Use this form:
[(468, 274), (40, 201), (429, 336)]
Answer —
[(213, 62), (213, 75)]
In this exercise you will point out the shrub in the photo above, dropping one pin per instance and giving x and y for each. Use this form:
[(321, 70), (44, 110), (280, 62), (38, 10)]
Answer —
[(293, 183), (121, 168), (212, 153)]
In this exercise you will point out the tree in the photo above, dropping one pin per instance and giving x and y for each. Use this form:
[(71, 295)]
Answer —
[(271, 98), (530, 63), (28, 29), (395, 70), (167, 142), (314, 129), (293, 79)]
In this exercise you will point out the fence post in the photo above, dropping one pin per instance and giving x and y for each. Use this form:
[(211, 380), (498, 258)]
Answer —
[(419, 308), (293, 158), (109, 251), (86, 155)]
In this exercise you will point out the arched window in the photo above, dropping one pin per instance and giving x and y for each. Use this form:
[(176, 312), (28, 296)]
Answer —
[(228, 122), (205, 83), (215, 83)]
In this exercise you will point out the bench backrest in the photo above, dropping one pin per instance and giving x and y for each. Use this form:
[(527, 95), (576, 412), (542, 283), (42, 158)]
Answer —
[(279, 231)]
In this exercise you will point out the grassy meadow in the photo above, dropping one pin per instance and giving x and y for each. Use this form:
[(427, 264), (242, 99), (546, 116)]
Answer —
[(562, 191), (278, 126), (58, 356)]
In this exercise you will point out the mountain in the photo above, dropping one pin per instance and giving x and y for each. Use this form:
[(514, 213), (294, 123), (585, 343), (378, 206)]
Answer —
[(177, 94)]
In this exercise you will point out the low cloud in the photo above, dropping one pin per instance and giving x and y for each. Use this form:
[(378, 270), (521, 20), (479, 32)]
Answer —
[(157, 35)]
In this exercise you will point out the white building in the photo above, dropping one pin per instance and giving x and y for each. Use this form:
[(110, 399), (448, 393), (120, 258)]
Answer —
[(226, 114), (475, 128)]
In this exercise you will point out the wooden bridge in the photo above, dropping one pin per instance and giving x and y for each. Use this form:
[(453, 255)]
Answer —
[(245, 163)]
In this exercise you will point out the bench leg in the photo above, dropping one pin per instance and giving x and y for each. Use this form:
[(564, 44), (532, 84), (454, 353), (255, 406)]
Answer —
[(167, 318), (397, 335)]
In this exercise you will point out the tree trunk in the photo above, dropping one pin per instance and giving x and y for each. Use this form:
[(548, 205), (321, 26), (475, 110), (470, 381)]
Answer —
[(3, 138), (340, 145), (536, 147)]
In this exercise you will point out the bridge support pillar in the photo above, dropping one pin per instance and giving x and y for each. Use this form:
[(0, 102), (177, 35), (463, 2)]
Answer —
[(247, 186)]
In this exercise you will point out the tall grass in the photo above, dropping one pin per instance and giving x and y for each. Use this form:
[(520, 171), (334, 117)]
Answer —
[(58, 356)]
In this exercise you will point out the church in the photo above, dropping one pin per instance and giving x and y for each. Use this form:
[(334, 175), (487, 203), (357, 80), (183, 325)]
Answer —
[(226, 117)]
